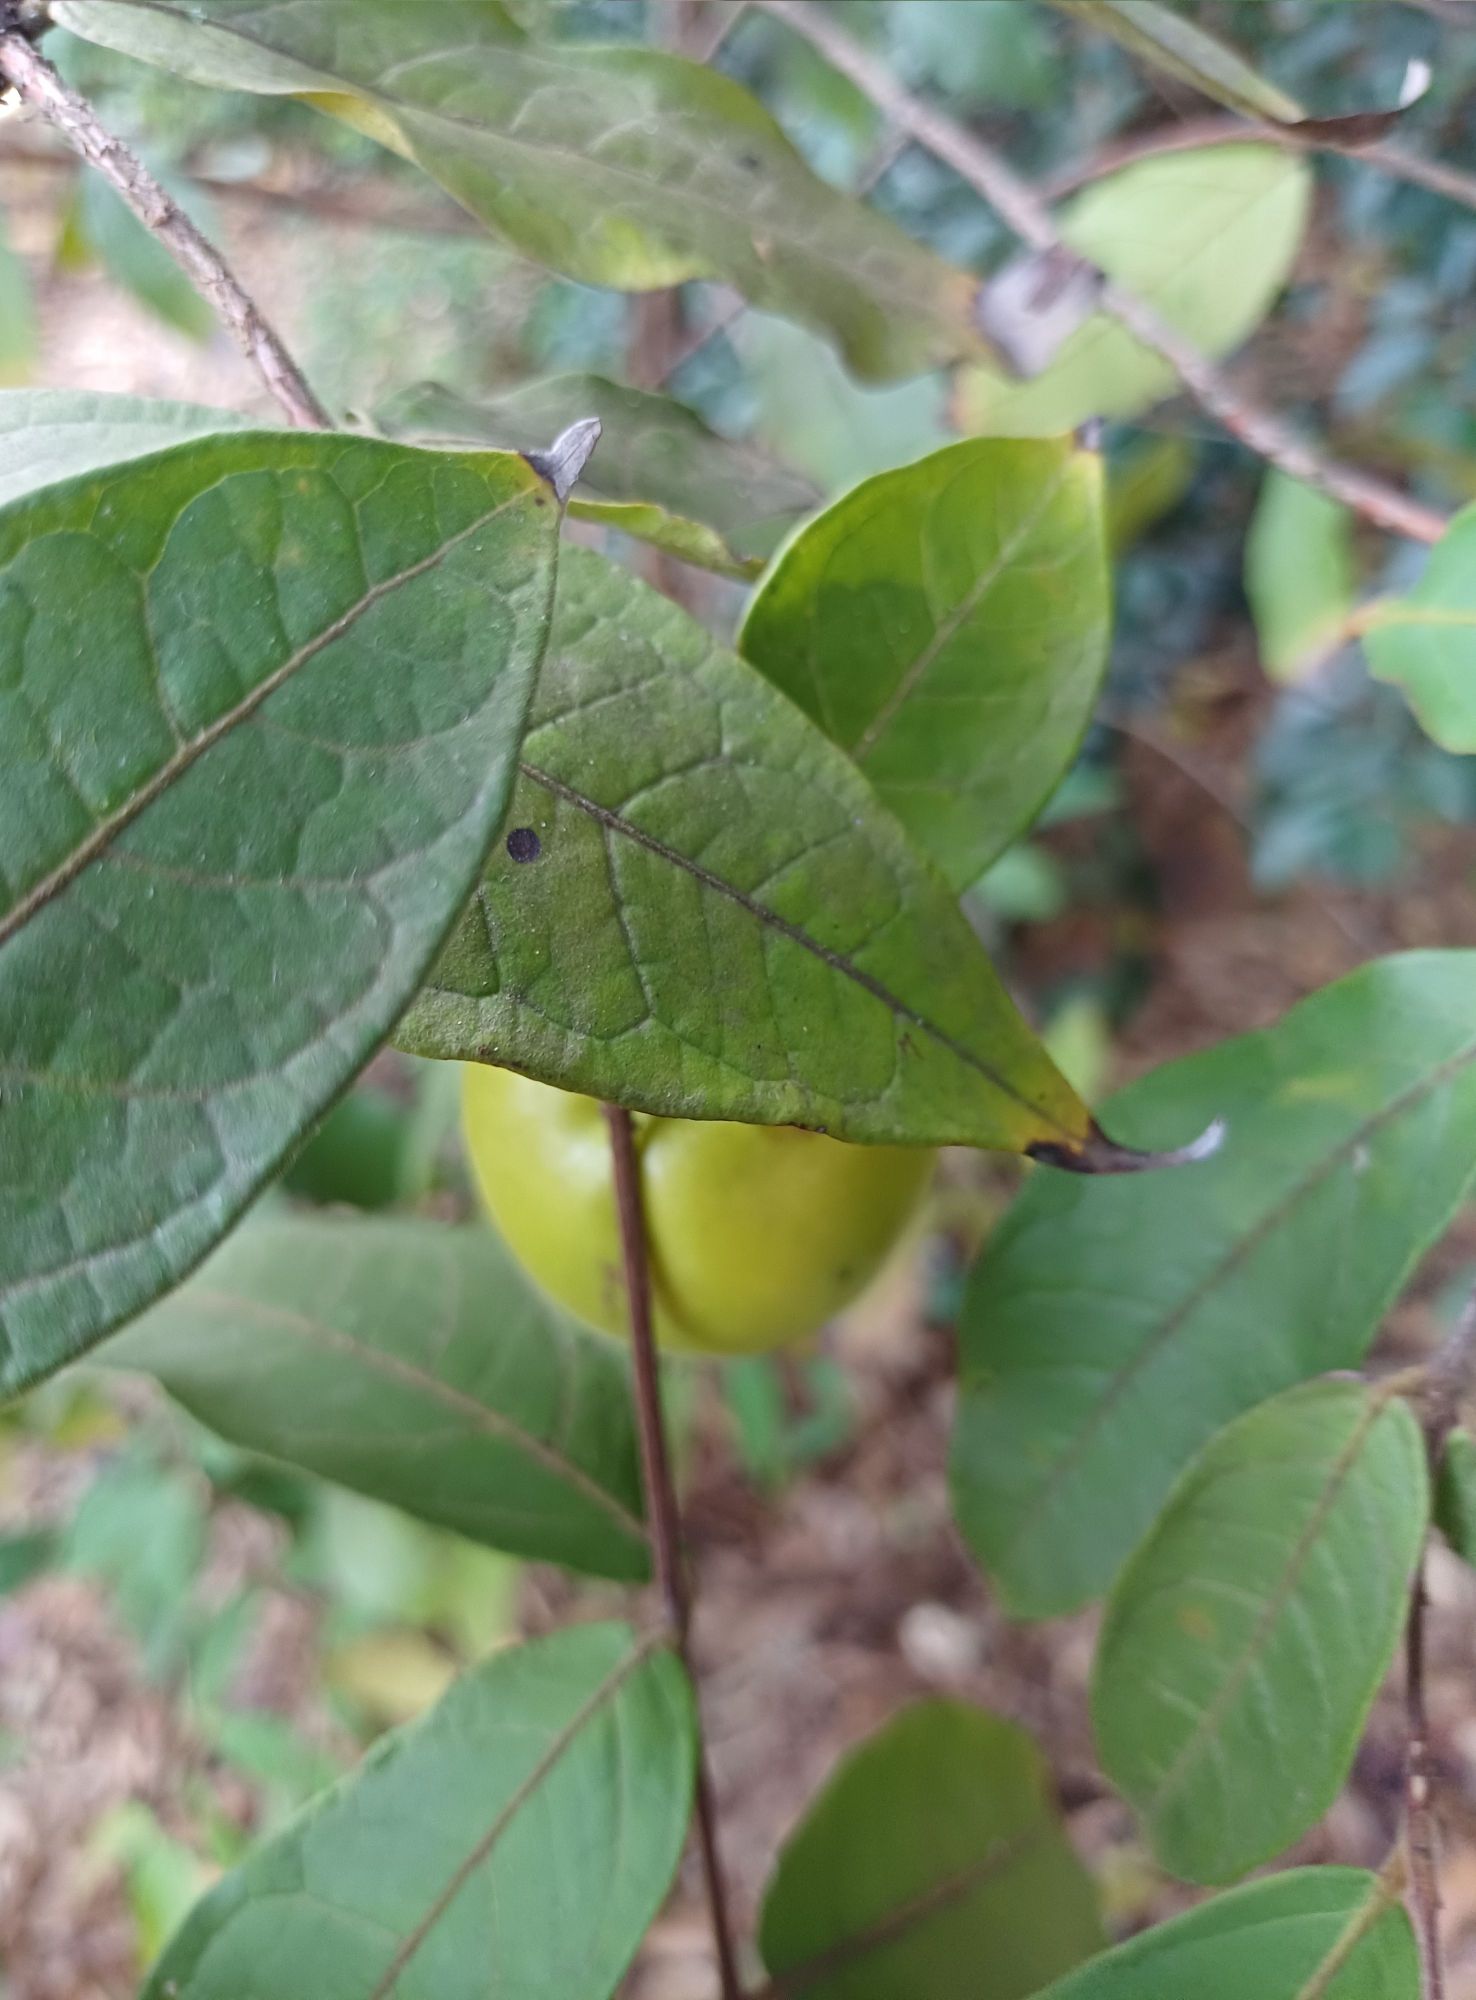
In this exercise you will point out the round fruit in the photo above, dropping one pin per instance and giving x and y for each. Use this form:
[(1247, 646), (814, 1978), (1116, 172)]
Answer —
[(758, 1234)]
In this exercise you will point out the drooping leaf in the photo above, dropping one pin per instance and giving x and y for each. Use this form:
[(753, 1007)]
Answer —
[(17, 315), (706, 913), (1455, 1494), (1109, 1331), (413, 1362), (1206, 237), (1308, 1934), (47, 435), (620, 166), (1171, 42), (652, 450), (1246, 1639), (932, 1863), (1425, 641), (260, 698), (1298, 574), (946, 624), (517, 1838)]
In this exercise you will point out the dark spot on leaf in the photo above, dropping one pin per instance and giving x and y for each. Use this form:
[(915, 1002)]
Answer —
[(749, 161), (523, 844)]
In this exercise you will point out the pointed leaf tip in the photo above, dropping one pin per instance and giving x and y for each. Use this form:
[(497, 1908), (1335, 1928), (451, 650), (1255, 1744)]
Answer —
[(567, 456), (1100, 1155)]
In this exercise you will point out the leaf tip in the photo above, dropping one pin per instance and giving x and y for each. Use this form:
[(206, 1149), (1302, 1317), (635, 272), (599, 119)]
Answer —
[(1097, 1154), (565, 459)]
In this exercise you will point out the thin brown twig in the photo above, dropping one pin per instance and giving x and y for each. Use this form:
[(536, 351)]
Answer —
[(24, 67), (1419, 1817), (1190, 134), (661, 1506), (1019, 206)]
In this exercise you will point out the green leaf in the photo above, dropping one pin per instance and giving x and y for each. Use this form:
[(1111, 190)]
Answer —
[(260, 698), (17, 317), (720, 921), (1246, 1639), (518, 1838), (619, 166), (1299, 574), (47, 435), (932, 1863), (1310, 1934), (1109, 1330), (1170, 42), (413, 1362), (947, 625), (652, 450), (1455, 1494), (1425, 642), (1208, 238), (134, 258)]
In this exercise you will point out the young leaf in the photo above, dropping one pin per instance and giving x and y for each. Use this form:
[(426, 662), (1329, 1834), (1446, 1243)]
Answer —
[(518, 1838), (1298, 574), (1207, 237), (260, 698), (1171, 43), (1425, 642), (618, 166), (932, 1863), (705, 913), (1310, 1934), (1109, 1331), (946, 624), (1455, 1494), (47, 435), (652, 450), (414, 1363), (1245, 1641)]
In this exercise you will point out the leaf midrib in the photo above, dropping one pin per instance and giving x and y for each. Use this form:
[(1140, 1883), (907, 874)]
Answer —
[(608, 1688), (375, 1361), (615, 823), (1048, 1491), (106, 830)]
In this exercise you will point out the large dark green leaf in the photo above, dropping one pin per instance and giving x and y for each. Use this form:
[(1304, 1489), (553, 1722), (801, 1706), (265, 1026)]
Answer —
[(260, 698), (413, 1362), (932, 1863), (652, 449), (719, 920), (47, 435), (1425, 642), (517, 1839), (947, 625), (1246, 1639), (619, 166), (1207, 237), (1310, 1934), (1110, 1330)]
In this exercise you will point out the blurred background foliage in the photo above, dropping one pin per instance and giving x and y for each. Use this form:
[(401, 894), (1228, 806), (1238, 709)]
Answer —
[(207, 1559)]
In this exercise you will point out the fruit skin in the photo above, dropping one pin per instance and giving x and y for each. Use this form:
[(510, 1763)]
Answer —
[(758, 1234)]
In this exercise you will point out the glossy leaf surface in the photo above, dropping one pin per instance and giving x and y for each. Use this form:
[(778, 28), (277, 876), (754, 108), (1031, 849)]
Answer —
[(1425, 641), (705, 913), (1110, 1329), (1246, 1639), (415, 1363), (518, 1839), (47, 435), (947, 625), (260, 698)]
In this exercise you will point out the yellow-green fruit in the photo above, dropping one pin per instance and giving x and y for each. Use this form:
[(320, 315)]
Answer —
[(758, 1234)]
